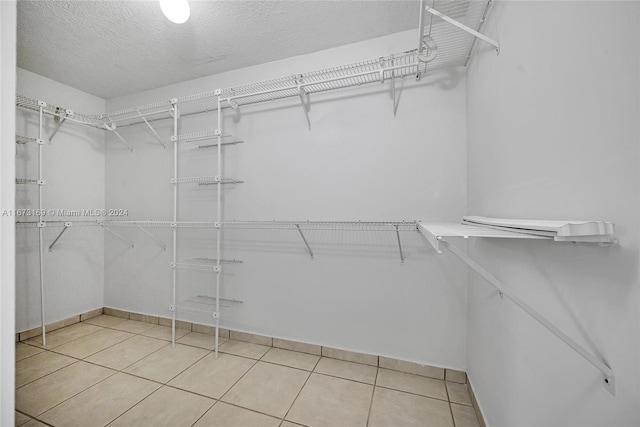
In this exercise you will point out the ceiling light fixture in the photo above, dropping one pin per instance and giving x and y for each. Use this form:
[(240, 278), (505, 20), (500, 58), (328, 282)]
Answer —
[(177, 11)]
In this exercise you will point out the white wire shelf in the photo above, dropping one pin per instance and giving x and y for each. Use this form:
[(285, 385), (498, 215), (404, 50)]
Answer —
[(208, 139), (203, 304), (162, 224), (356, 74), (63, 113), (25, 139), (205, 180), (56, 223), (286, 225), (135, 113), (323, 225), (202, 264), (454, 45)]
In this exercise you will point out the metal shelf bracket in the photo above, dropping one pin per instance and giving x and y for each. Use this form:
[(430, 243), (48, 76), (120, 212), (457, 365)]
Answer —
[(153, 131), (304, 240), (67, 113), (112, 127), (304, 98), (608, 377), (116, 234), (399, 245), (463, 28), (66, 225), (154, 238)]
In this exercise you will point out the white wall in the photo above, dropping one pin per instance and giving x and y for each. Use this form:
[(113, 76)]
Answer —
[(7, 201), (358, 163), (553, 134), (73, 167)]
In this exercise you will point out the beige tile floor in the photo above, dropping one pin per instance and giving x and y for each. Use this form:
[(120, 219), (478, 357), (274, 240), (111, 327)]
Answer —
[(118, 372)]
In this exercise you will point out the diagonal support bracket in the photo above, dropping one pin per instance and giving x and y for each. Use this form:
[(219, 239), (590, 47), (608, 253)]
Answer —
[(399, 245), (66, 225), (608, 377), (304, 99), (154, 238), (304, 240), (464, 27), (112, 127), (67, 113), (152, 129), (57, 128), (116, 234)]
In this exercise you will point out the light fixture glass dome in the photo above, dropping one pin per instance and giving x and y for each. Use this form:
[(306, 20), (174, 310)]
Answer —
[(177, 11)]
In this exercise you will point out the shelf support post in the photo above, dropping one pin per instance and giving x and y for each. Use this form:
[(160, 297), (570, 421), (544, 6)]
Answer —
[(175, 114), (607, 374), (41, 223), (220, 132), (304, 240)]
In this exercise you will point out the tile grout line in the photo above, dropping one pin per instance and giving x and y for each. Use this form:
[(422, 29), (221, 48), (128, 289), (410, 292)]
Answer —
[(373, 393), (346, 379), (255, 362), (60, 345), (81, 391), (297, 395), (283, 419), (215, 402), (196, 361), (137, 403), (453, 420), (133, 363), (238, 380), (52, 372), (414, 394)]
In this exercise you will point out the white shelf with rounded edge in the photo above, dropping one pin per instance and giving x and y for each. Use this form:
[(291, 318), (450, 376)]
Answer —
[(559, 231), (566, 231)]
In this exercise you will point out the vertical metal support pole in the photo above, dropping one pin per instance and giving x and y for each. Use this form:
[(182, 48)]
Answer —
[(399, 245), (421, 27), (174, 103), (40, 229), (219, 229)]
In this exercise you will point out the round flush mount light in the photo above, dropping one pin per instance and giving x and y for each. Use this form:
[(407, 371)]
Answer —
[(176, 11)]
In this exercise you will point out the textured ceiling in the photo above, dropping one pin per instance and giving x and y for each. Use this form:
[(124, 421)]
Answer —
[(111, 48)]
